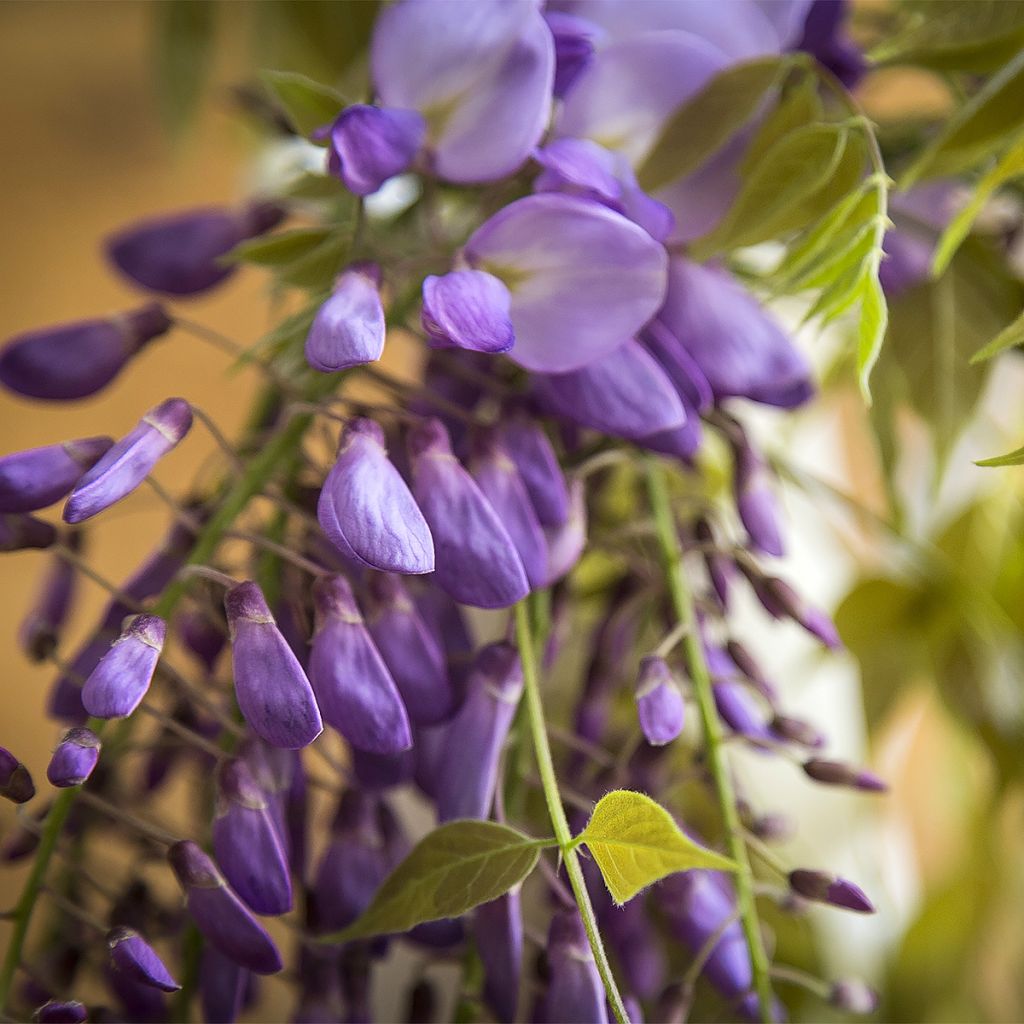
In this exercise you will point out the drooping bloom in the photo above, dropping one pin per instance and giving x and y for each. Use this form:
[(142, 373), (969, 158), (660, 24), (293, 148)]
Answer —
[(411, 651), (659, 704), (78, 359), (273, 692), (116, 686), (468, 772), (180, 254), (15, 780), (349, 327), (530, 449), (467, 309), (74, 759), (583, 278), (219, 914), (38, 477), (498, 935), (480, 75), (368, 145), (133, 956), (41, 627), (247, 844), (18, 532), (366, 509), (825, 888), (477, 563), (124, 466), (575, 992)]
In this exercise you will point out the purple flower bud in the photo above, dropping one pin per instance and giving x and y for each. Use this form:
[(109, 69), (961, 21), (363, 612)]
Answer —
[(410, 650), (498, 937), (755, 501), (366, 509), (780, 600), (77, 360), (371, 144), (41, 627), (659, 704), (349, 327), (566, 542), (796, 730), (477, 563), (826, 888), (739, 710), (219, 914), (15, 781), (625, 393), (117, 685), (273, 692), (530, 449), (202, 637), (129, 461), (838, 773), (720, 567), (352, 684), (468, 774), (38, 477), (19, 532), (74, 759), (222, 987), (246, 842), (744, 661), (575, 991), (851, 995), (575, 40), (57, 1012), (382, 771), (133, 956), (499, 481), (467, 309), (180, 254)]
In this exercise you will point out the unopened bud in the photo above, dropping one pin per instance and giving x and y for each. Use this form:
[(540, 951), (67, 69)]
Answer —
[(825, 888)]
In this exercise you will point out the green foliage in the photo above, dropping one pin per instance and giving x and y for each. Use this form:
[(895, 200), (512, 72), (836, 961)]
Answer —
[(456, 867), (800, 105), (1014, 458), (279, 249), (1009, 337), (308, 105), (184, 37), (635, 841)]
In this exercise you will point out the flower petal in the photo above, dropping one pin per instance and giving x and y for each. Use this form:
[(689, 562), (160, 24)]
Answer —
[(467, 309)]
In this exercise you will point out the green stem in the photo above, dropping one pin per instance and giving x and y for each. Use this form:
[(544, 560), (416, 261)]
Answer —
[(559, 822), (682, 602)]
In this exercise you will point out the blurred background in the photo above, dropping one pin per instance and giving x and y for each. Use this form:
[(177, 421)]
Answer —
[(919, 551)]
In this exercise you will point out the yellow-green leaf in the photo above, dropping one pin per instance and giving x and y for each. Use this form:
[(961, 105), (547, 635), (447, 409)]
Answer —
[(277, 250), (800, 105), (635, 841), (1014, 458), (874, 318), (1009, 337), (451, 870), (308, 104)]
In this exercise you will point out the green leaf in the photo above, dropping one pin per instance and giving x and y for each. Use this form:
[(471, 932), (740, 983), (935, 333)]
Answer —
[(277, 250), (635, 841), (702, 125), (183, 51), (451, 870), (318, 267), (775, 199), (307, 104), (1014, 458), (800, 106), (1009, 337), (978, 129), (874, 317), (1010, 166)]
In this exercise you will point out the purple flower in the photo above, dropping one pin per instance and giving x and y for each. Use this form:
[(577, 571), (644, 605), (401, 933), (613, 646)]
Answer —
[(382, 771), (40, 629), (133, 956), (499, 481), (411, 651), (18, 532), (15, 781), (480, 74), (826, 888), (180, 254), (824, 38), (203, 636), (625, 393), (124, 466), (575, 42), (575, 991), (468, 772), (78, 359), (371, 144), (583, 278), (61, 1012), (566, 542), (477, 563), (116, 686), (246, 842), (755, 501), (352, 684), (219, 914), (530, 449), (659, 704), (349, 327), (838, 773), (498, 936), (780, 600), (273, 692), (796, 730), (467, 309), (366, 509), (74, 759), (739, 710), (38, 477), (222, 987), (631, 934)]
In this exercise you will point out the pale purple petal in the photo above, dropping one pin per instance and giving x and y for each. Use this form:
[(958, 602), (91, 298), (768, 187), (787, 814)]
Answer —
[(349, 328), (371, 144), (467, 309)]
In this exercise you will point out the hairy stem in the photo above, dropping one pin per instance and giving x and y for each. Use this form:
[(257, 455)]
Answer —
[(682, 603), (559, 822)]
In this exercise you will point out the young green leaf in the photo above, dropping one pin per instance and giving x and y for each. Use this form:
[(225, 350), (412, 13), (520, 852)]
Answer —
[(699, 128), (874, 317), (277, 250), (451, 870), (1014, 458), (635, 841), (1009, 337), (800, 105), (308, 104), (319, 266)]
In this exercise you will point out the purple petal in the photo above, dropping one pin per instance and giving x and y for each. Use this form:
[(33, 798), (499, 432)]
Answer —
[(825, 888), (41, 628), (348, 329), (738, 709), (575, 43), (659, 704), (116, 686), (824, 37), (365, 506), (273, 692), (372, 144), (61, 1012), (38, 477), (467, 309), (133, 956), (582, 277), (498, 935), (222, 987), (74, 759), (566, 542), (15, 780), (575, 991), (530, 449), (755, 500), (19, 532)]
